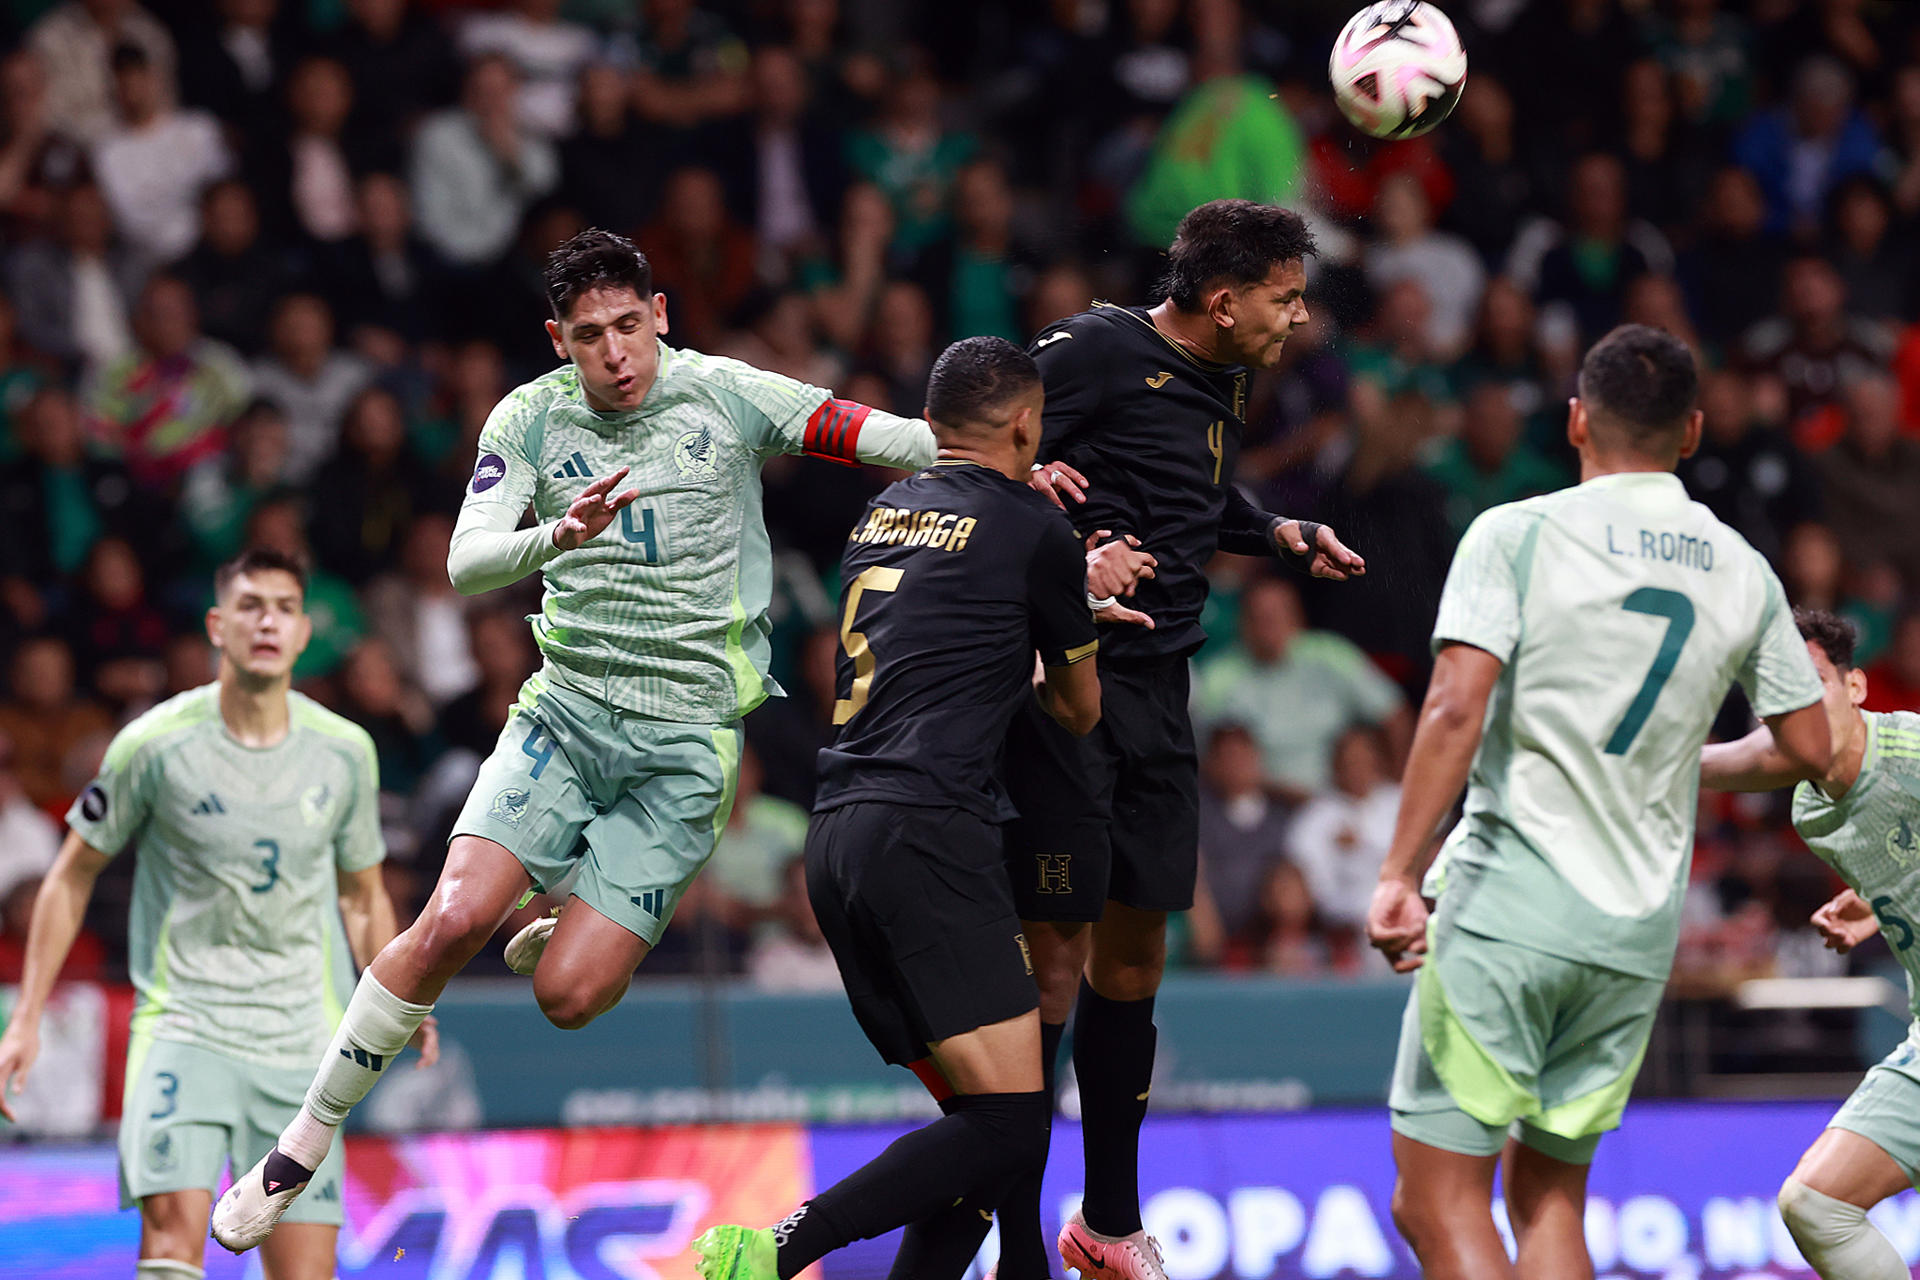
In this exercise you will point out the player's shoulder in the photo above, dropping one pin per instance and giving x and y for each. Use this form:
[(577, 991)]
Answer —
[(1901, 727), (1103, 326), (330, 728), (528, 403), (1508, 526), (165, 724)]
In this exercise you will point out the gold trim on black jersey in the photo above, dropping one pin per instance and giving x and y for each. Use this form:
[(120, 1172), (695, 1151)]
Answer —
[(1205, 366)]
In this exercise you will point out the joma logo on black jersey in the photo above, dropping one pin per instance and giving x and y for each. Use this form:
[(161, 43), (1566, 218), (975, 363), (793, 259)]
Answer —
[(899, 526)]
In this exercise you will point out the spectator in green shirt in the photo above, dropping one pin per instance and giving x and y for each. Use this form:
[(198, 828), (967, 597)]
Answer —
[(1298, 690), (1490, 462)]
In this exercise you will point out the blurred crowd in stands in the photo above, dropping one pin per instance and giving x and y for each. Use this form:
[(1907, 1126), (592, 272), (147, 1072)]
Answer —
[(266, 265)]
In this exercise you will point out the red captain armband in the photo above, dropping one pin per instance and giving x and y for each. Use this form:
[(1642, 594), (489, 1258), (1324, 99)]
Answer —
[(833, 432)]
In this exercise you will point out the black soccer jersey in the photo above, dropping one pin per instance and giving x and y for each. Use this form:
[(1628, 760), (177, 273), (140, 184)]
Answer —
[(952, 579), (1156, 432)]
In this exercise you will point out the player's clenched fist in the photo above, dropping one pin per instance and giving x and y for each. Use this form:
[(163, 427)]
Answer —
[(592, 511), (1397, 923)]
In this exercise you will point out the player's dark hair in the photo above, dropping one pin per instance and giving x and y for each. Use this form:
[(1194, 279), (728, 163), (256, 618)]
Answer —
[(595, 259), (1833, 633), (1235, 242), (258, 560), (1640, 383), (975, 376)]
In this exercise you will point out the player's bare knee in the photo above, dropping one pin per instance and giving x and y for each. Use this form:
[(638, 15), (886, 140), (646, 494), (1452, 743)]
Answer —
[(172, 1231), (571, 1005)]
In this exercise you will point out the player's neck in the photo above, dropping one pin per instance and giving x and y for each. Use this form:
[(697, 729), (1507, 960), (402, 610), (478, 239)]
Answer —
[(1847, 759), (1594, 465), (1005, 461), (1196, 335), (254, 712)]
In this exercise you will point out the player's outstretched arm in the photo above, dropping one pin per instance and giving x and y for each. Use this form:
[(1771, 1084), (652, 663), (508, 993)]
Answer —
[(1756, 762), (1444, 742), (57, 910)]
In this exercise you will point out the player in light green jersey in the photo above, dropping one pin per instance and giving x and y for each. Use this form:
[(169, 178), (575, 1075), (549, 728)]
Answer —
[(616, 769), (1584, 643), (1862, 817), (256, 889)]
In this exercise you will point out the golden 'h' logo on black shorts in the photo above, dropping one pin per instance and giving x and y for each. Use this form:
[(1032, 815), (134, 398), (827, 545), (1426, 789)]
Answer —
[(1053, 872)]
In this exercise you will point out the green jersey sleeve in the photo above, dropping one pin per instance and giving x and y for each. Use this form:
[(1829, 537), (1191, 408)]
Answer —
[(1480, 604), (777, 414), (508, 467), (1777, 675), (116, 804)]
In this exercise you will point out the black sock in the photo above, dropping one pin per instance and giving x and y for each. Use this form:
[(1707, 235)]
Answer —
[(983, 1141), (943, 1245), (1113, 1042), (1024, 1254), (283, 1171)]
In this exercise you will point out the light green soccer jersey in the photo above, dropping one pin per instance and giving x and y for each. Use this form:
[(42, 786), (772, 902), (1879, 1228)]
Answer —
[(665, 613), (1622, 611), (236, 942), (1871, 835)]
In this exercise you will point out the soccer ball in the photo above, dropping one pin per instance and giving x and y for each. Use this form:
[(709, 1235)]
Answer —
[(1397, 68)]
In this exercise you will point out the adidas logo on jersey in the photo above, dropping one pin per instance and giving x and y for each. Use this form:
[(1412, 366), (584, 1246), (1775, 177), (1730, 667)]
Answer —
[(575, 468), (651, 902), (210, 805)]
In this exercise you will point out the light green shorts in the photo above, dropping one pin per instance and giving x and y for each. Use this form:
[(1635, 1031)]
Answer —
[(188, 1111), (634, 806), (1885, 1109), (1500, 1040)]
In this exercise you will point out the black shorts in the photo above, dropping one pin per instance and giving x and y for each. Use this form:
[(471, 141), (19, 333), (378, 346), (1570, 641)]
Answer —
[(914, 904), (1114, 815)]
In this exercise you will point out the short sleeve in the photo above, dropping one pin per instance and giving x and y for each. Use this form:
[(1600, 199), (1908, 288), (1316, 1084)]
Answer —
[(1777, 675), (1070, 371), (508, 468), (1480, 604), (1063, 628), (357, 843), (116, 804)]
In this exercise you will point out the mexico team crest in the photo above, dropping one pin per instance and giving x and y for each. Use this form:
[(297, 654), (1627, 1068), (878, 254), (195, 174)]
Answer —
[(313, 803), (1903, 846), (510, 806), (694, 455)]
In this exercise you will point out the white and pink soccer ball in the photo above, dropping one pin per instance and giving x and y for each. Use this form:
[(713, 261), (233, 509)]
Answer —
[(1397, 68)]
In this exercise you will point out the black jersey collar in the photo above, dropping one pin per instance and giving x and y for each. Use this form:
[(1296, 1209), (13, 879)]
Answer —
[(1205, 366)]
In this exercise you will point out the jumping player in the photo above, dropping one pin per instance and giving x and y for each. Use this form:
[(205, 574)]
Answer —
[(621, 755), (1146, 405)]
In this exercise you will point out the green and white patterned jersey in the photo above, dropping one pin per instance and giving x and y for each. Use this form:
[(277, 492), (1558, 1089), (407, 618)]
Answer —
[(665, 613), (1871, 835), (1622, 611), (236, 942)]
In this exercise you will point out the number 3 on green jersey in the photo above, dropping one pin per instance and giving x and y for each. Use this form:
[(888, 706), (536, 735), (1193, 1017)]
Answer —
[(1656, 602)]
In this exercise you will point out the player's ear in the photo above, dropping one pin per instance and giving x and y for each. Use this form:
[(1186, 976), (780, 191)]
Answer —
[(213, 626), (1857, 687), (1579, 431), (559, 347), (660, 315), (1690, 438), (1220, 307)]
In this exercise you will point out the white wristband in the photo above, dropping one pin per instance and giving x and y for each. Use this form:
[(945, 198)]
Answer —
[(1099, 604)]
